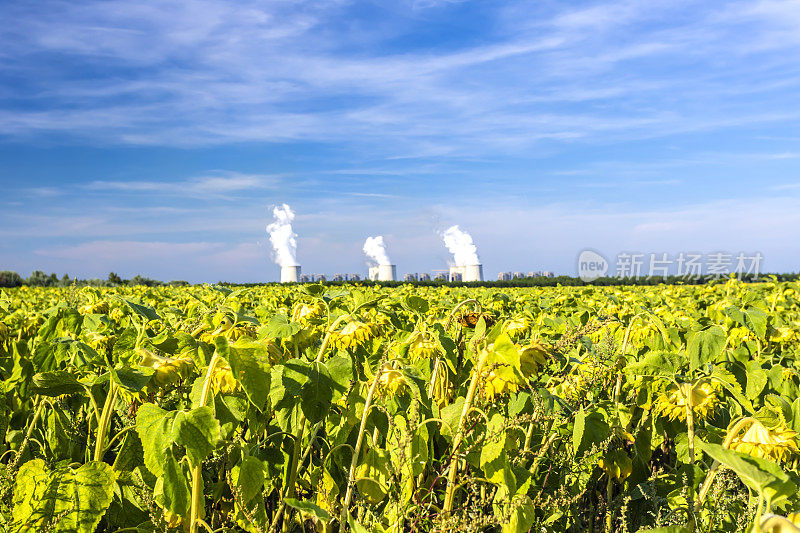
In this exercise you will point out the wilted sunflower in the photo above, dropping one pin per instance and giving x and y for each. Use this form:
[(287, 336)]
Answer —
[(422, 348), (222, 379), (5, 333), (532, 357), (499, 382), (392, 380), (777, 443), (168, 370), (517, 327), (470, 320), (705, 399), (355, 333)]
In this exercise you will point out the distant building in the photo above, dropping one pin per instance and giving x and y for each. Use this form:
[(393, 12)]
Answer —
[(519, 275), (424, 277), (504, 276), (410, 277), (440, 276), (338, 277), (456, 276), (548, 274), (354, 277), (321, 277), (305, 278), (533, 274)]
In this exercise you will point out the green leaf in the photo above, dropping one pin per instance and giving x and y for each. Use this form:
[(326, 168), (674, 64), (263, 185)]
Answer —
[(308, 508), (416, 303), (55, 383), (656, 364), (313, 289), (249, 477), (340, 369), (317, 393), (66, 499), (132, 379), (279, 327), (756, 321), (492, 452), (757, 379), (523, 515), (577, 431), (705, 345), (154, 426), (176, 488), (198, 431), (142, 310), (250, 364)]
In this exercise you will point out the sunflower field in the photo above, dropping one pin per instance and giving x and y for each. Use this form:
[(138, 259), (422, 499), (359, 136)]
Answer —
[(371, 409)]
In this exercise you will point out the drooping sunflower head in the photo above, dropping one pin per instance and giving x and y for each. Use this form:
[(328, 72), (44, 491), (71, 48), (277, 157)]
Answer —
[(222, 379), (424, 348), (392, 380), (498, 382), (777, 443), (517, 328), (307, 312), (532, 357), (353, 334), (705, 396)]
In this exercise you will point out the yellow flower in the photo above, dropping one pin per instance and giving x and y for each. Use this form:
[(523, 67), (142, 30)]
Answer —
[(353, 334), (496, 385), (422, 348), (705, 399), (517, 327), (222, 379), (532, 357), (758, 441), (392, 381)]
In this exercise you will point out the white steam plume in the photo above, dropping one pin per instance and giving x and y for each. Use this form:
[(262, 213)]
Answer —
[(283, 239), (460, 245), (375, 248)]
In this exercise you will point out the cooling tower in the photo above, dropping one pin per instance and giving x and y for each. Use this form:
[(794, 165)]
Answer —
[(387, 272), (473, 273), (290, 274)]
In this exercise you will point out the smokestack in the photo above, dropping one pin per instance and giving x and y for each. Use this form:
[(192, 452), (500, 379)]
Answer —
[(387, 272), (473, 273), (290, 274)]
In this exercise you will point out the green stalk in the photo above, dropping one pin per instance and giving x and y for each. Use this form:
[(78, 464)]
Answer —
[(105, 421), (690, 435), (28, 433), (609, 493), (451, 476), (197, 471), (357, 451)]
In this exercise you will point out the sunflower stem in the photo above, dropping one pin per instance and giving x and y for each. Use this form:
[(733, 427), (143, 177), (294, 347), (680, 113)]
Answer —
[(356, 452), (197, 471), (451, 476)]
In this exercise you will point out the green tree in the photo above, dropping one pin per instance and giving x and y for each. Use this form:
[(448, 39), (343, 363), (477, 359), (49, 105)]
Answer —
[(10, 279)]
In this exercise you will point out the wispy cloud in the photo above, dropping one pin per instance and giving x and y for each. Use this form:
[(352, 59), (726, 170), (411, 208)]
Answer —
[(204, 186), (215, 72)]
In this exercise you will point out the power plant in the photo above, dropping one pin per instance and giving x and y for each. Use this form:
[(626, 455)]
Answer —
[(383, 273), (466, 273), (290, 274)]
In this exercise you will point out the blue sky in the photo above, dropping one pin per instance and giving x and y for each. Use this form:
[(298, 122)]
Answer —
[(152, 137)]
